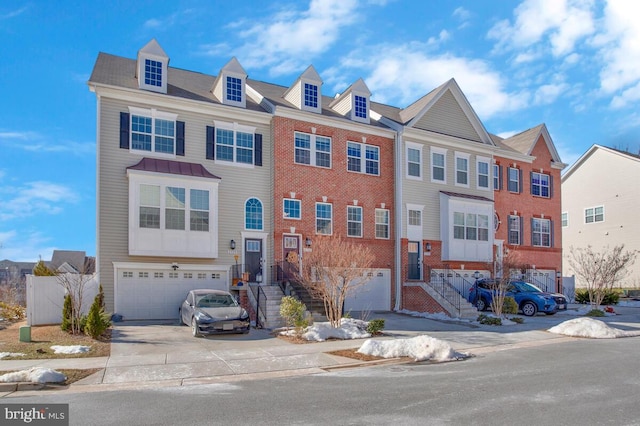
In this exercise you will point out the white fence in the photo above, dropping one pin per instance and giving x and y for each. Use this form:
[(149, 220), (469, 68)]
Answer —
[(45, 298)]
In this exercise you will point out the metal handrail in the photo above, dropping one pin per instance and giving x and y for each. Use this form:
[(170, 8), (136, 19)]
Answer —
[(257, 293)]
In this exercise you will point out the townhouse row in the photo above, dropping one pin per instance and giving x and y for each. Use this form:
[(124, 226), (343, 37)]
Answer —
[(221, 181)]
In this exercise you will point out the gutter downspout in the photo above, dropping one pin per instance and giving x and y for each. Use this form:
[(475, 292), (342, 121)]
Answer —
[(398, 218)]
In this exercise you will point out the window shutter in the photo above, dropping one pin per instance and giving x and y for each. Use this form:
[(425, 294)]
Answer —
[(258, 150), (531, 233), (520, 183), (180, 138), (124, 130), (500, 177), (550, 186), (211, 152), (551, 232)]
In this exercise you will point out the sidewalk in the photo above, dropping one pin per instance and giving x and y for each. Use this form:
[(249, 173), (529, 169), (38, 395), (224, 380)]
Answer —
[(155, 355)]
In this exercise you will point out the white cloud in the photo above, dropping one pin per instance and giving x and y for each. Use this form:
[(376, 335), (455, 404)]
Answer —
[(463, 15), (400, 75), (35, 198), (562, 22), (25, 246), (443, 36), (548, 93), (286, 41), (620, 49), (14, 13), (36, 142)]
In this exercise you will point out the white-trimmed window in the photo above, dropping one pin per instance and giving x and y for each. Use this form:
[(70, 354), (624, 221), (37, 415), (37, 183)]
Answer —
[(324, 218), (153, 72), (382, 223), (415, 218), (482, 166), (175, 201), (363, 158), (462, 169), (565, 219), (470, 226), (497, 177), (360, 107), (310, 95), (152, 131), (414, 161), (514, 179), (312, 150), (253, 219), (354, 221), (594, 214), (234, 143), (541, 232), (540, 185), (233, 89), (291, 208), (438, 165), (515, 230)]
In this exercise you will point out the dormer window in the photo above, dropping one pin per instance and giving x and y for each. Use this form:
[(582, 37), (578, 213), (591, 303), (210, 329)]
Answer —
[(229, 87), (360, 106), (153, 73), (310, 95), (234, 89), (152, 68)]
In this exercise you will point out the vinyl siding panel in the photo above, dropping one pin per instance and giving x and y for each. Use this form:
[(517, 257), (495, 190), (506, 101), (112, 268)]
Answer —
[(237, 185), (448, 118), (295, 95), (604, 179)]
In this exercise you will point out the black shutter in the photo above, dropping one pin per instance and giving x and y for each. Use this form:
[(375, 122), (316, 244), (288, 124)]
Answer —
[(531, 183), (521, 221), (551, 233), (499, 177), (124, 130), (180, 138), (211, 152), (258, 150), (550, 186)]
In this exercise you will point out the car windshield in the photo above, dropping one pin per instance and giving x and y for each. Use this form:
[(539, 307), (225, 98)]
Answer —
[(215, 300), (522, 286)]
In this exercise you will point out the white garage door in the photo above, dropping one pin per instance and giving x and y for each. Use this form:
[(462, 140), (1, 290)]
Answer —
[(152, 294), (375, 295)]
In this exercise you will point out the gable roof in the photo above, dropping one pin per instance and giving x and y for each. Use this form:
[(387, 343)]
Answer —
[(432, 102), (595, 147), (153, 48), (72, 261), (157, 165), (525, 142)]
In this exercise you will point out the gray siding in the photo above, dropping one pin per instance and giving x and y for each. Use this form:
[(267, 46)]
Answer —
[(447, 117), (236, 186)]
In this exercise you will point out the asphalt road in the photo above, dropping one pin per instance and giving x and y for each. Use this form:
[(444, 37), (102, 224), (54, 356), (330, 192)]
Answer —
[(580, 382)]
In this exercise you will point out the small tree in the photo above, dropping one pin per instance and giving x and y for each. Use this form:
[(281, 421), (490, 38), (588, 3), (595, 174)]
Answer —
[(504, 269), (332, 270), (600, 271), (292, 311), (74, 285), (41, 270), (66, 313), (97, 319)]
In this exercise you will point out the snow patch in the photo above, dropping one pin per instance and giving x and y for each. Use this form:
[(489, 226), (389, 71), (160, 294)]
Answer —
[(77, 349), (588, 327), (349, 329), (34, 375), (6, 354), (420, 348)]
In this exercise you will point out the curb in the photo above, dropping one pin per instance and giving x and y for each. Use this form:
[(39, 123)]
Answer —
[(21, 386)]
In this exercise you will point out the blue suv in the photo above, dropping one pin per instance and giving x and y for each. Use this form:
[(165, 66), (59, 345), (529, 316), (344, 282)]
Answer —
[(530, 299)]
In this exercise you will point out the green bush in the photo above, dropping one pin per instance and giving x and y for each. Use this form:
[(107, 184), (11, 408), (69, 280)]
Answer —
[(509, 306), (97, 321), (611, 297), (292, 310), (375, 326), (66, 313), (517, 320), (595, 313), (486, 319)]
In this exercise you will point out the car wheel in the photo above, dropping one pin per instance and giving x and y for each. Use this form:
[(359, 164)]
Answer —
[(194, 328), (482, 304), (529, 309)]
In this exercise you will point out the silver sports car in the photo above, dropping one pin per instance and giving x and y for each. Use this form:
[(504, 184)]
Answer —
[(213, 312)]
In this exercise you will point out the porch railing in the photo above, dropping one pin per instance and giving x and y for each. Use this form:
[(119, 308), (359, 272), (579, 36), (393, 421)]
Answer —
[(261, 304)]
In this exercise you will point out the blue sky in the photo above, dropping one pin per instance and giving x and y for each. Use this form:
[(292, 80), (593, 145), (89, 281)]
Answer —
[(572, 64)]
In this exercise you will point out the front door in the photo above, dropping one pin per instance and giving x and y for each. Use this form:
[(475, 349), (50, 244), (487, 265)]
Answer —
[(252, 258), (291, 255), (414, 260)]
